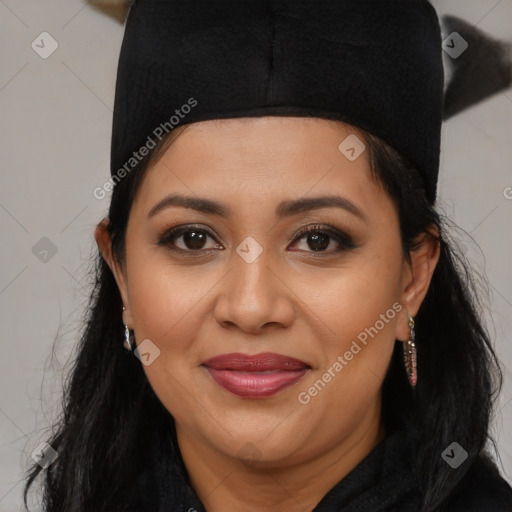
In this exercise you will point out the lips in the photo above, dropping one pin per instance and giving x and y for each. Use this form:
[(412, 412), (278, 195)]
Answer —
[(256, 376)]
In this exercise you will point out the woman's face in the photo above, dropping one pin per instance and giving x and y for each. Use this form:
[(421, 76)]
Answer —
[(237, 281)]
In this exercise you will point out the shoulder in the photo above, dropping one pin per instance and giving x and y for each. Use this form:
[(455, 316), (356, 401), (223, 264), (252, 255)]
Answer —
[(481, 490)]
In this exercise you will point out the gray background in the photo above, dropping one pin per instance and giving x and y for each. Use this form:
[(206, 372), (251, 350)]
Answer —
[(54, 139)]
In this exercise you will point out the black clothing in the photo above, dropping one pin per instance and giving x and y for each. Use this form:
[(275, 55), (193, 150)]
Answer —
[(382, 482)]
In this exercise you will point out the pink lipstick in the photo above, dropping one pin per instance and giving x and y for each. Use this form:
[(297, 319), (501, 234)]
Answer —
[(256, 376)]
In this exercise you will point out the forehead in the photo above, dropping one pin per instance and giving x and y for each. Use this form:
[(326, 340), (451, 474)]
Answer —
[(265, 139), (263, 160)]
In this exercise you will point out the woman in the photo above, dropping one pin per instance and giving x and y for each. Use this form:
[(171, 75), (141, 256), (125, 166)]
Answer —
[(299, 332)]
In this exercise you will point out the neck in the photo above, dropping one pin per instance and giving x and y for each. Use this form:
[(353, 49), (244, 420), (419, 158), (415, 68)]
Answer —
[(224, 483)]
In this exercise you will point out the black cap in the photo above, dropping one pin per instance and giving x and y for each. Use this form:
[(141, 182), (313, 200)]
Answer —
[(374, 64)]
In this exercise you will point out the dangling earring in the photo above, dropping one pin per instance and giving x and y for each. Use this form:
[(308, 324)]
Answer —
[(128, 342), (410, 355)]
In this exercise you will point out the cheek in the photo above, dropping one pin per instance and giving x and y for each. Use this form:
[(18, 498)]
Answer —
[(343, 394), (364, 306), (166, 301), (168, 307), (358, 300), (360, 306)]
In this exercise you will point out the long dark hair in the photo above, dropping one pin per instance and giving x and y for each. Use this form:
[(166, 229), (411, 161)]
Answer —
[(110, 411)]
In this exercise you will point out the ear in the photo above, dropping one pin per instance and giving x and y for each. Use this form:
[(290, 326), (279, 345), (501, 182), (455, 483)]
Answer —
[(104, 242), (416, 277)]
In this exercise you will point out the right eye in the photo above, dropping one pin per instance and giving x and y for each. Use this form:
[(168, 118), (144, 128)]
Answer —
[(193, 239)]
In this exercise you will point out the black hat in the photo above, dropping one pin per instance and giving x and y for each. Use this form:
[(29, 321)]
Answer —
[(374, 64)]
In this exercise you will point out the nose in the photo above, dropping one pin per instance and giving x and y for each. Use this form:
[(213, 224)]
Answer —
[(254, 297)]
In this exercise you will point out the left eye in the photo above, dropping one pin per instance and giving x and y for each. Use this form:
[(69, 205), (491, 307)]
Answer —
[(318, 239)]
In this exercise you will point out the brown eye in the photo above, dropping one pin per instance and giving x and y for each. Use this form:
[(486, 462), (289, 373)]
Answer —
[(319, 238), (318, 241), (187, 239), (194, 239)]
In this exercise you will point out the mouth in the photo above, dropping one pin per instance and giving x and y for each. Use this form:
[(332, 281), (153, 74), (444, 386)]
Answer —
[(256, 376)]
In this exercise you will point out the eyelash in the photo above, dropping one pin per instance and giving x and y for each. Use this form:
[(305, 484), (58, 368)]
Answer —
[(346, 243)]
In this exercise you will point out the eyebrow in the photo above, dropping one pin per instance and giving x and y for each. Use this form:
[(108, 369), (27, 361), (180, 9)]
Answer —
[(284, 209)]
